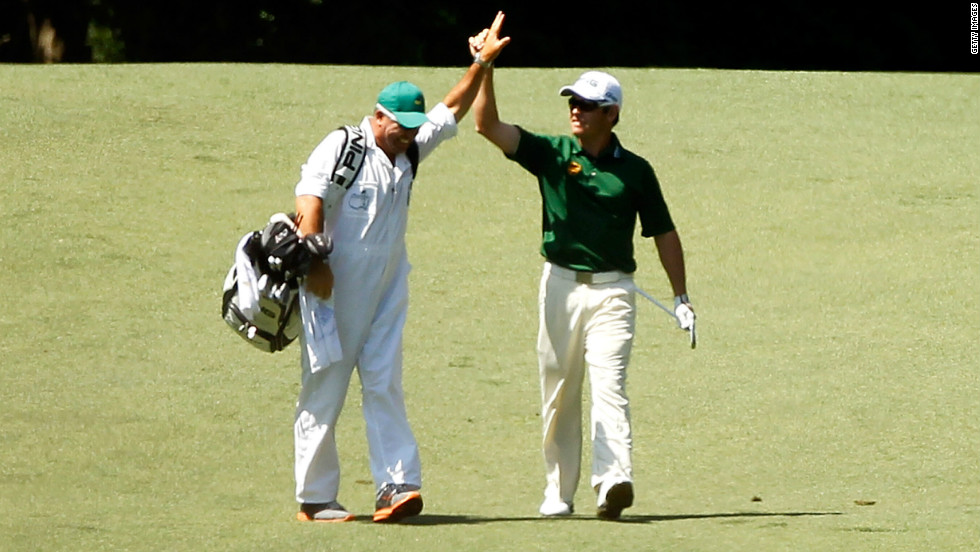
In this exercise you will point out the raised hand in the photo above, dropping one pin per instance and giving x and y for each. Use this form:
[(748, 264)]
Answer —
[(488, 43)]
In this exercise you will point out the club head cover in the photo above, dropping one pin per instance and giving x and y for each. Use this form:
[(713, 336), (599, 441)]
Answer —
[(318, 245), (283, 249)]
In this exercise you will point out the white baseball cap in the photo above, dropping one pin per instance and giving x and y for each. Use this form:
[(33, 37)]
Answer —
[(596, 86)]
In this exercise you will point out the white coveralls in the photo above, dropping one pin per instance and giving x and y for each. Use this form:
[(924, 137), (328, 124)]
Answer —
[(369, 306)]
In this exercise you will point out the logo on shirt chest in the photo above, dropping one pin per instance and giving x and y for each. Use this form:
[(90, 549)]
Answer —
[(574, 168), (361, 200)]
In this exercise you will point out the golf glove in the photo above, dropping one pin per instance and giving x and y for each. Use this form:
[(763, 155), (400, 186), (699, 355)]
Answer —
[(683, 312)]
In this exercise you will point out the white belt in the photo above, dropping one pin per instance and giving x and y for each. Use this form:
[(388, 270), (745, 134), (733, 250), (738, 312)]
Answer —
[(589, 278)]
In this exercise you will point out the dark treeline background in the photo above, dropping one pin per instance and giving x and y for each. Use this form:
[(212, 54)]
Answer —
[(786, 35)]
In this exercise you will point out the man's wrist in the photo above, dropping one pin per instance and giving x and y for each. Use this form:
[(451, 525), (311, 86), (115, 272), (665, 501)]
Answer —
[(477, 59)]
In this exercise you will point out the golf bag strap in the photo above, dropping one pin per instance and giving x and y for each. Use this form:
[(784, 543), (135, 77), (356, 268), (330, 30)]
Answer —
[(351, 158), (349, 163), (413, 158)]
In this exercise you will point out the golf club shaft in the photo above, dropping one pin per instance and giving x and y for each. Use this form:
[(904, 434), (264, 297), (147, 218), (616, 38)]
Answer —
[(655, 302), (694, 339)]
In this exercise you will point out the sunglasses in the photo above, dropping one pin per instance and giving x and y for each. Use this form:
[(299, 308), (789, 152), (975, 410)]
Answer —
[(583, 105)]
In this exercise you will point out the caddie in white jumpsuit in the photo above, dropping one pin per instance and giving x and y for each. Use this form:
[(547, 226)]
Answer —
[(354, 309)]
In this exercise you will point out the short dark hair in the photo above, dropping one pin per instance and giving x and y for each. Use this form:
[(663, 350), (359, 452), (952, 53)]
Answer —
[(605, 109)]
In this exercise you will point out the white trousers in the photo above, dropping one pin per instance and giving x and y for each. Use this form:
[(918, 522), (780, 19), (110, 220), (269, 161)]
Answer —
[(585, 327), (371, 307)]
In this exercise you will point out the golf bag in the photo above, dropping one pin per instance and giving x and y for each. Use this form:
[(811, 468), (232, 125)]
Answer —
[(261, 291)]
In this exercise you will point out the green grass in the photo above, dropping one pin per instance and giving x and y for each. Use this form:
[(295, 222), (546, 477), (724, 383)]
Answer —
[(831, 224)]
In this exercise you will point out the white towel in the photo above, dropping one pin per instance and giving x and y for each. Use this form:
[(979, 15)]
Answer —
[(248, 283), (319, 330)]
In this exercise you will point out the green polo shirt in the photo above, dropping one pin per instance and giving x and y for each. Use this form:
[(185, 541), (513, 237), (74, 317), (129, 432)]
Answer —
[(590, 205)]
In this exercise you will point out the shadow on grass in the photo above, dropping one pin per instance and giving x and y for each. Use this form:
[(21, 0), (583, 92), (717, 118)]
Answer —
[(463, 519)]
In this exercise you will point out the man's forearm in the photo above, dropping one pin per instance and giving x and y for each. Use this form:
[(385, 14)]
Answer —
[(672, 258), (309, 219), (309, 214), (503, 135), (461, 97)]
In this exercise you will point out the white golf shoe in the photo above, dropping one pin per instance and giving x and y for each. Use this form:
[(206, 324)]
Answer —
[(553, 507)]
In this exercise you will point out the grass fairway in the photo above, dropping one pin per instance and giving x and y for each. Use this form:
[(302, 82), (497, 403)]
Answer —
[(831, 223)]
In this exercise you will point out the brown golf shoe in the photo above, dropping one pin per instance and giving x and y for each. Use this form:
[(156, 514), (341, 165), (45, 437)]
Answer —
[(618, 498)]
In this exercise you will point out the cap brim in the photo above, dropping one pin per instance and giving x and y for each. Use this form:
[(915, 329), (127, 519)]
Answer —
[(571, 91), (411, 119)]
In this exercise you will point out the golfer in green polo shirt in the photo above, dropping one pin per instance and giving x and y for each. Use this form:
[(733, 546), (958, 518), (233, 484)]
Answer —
[(593, 190)]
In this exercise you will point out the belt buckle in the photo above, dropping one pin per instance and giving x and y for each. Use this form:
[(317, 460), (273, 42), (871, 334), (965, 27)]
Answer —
[(583, 277)]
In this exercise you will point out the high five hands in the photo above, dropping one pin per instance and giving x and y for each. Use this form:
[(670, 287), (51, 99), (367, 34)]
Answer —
[(487, 44)]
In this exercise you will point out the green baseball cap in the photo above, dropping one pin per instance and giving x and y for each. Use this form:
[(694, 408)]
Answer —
[(403, 102)]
